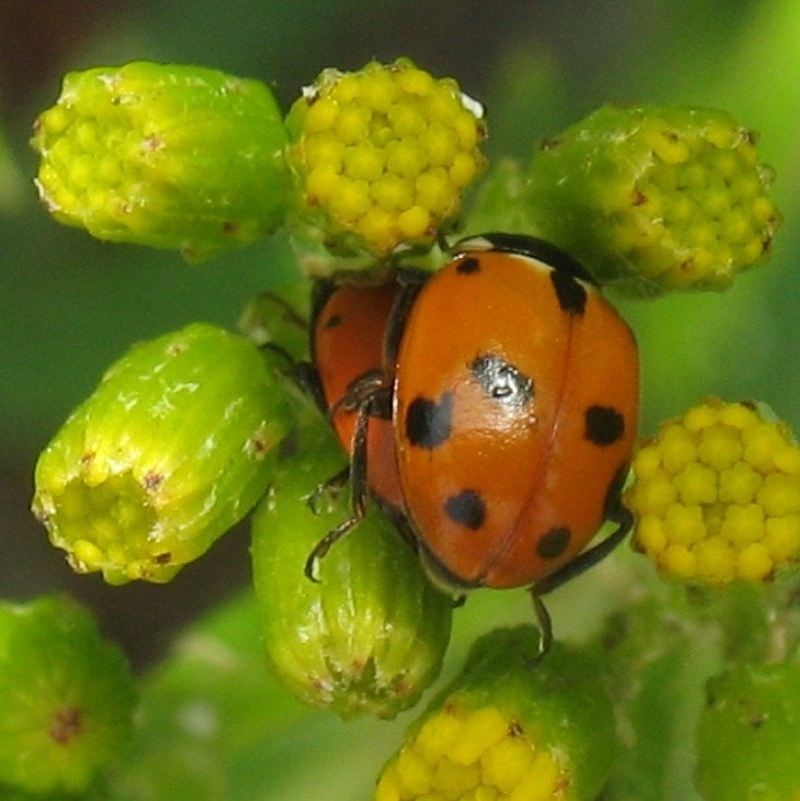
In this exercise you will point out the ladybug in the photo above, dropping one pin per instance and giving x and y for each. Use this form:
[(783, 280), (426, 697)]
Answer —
[(349, 324), (507, 399)]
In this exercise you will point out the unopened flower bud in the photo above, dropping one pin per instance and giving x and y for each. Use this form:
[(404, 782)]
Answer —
[(716, 495), (175, 446), (655, 198), (165, 155), (510, 727), (382, 156), (67, 698), (370, 635)]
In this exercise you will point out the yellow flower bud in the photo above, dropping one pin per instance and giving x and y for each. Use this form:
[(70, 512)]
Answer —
[(382, 157), (717, 495)]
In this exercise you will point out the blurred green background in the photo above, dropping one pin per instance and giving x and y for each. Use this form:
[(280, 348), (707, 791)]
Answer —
[(70, 305)]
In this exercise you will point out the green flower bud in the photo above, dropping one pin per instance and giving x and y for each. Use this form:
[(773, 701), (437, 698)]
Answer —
[(67, 697), (510, 727), (164, 155), (717, 495), (370, 636), (382, 156), (748, 736), (175, 445), (655, 198)]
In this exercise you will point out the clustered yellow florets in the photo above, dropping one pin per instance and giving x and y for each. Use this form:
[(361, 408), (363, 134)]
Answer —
[(717, 495), (655, 198), (700, 210), (386, 153), (116, 519), (472, 755)]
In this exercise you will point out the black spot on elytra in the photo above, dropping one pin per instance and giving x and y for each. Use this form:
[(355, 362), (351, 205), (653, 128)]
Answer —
[(428, 423), (604, 425), (468, 265), (553, 543), (502, 381), (467, 509), (571, 294), (334, 321)]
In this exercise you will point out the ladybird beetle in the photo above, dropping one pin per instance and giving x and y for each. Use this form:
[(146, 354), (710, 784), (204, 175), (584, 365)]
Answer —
[(515, 405), (513, 390), (348, 328)]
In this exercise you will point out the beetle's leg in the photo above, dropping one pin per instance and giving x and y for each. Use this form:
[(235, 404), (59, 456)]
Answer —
[(591, 557), (321, 549), (618, 514), (357, 473), (361, 394), (544, 624), (358, 463), (306, 379), (331, 488)]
